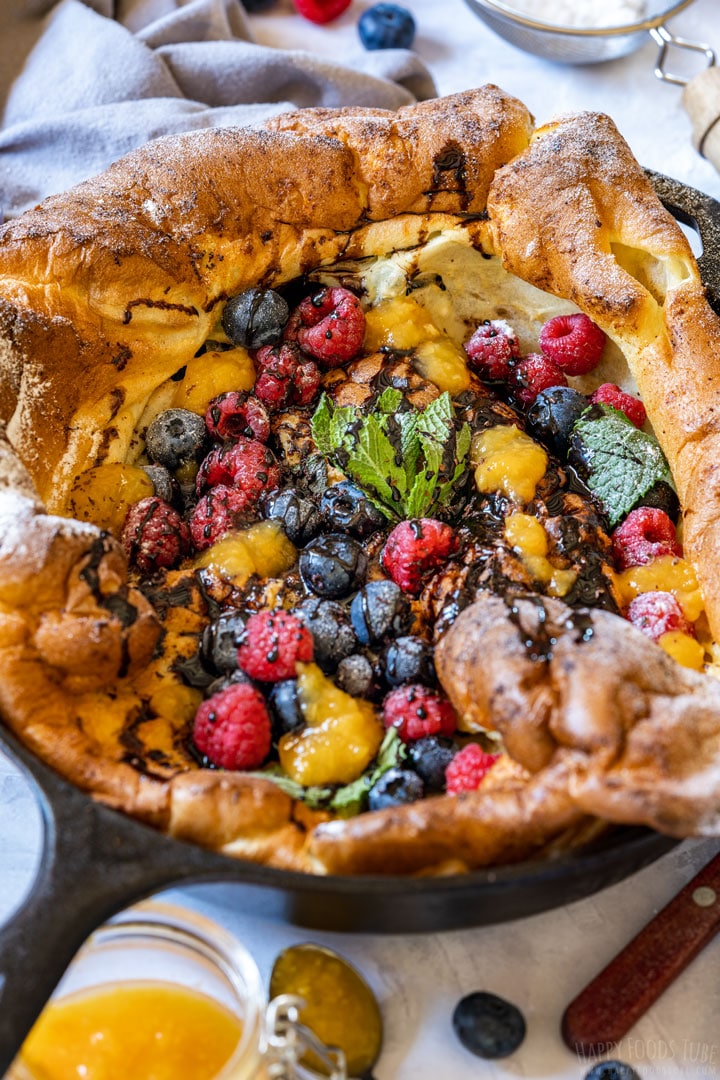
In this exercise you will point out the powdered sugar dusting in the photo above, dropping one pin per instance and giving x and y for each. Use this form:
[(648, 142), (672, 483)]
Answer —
[(582, 13)]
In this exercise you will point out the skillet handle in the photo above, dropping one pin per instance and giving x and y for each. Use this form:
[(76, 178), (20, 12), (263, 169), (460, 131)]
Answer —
[(702, 213), (94, 863)]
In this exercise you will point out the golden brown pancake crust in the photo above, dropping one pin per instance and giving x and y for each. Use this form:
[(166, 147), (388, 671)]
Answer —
[(107, 290)]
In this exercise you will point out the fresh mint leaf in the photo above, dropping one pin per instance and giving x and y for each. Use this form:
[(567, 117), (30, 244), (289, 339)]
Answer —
[(389, 401), (315, 797), (350, 800), (371, 462), (405, 460), (320, 426), (621, 463), (437, 419), (445, 448), (462, 449), (420, 497), (392, 752)]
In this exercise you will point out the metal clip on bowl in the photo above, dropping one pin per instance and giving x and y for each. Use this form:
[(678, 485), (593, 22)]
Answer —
[(595, 44)]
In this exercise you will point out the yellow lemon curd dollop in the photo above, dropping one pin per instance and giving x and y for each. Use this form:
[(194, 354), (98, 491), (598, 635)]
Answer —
[(105, 493), (528, 538), (509, 461), (341, 737), (211, 374), (403, 323), (262, 549), (666, 573), (138, 1031), (672, 574), (683, 648)]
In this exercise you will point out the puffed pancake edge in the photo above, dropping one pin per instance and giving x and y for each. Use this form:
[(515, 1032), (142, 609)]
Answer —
[(92, 279)]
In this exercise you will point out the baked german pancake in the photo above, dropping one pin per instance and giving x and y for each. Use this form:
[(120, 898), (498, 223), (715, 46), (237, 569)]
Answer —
[(358, 507)]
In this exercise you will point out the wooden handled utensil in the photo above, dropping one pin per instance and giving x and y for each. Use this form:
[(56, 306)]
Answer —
[(608, 1007)]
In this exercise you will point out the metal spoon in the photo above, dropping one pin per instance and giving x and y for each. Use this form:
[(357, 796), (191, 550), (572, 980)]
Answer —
[(338, 1005)]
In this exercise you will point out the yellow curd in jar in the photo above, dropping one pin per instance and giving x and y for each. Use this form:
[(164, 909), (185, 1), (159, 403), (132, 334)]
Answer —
[(133, 1031)]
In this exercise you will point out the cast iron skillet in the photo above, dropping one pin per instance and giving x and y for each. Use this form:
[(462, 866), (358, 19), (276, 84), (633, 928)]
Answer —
[(96, 861)]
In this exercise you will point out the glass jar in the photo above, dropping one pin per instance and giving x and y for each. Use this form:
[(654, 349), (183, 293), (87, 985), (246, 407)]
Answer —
[(162, 944)]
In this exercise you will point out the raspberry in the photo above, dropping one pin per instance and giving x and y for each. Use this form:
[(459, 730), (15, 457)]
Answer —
[(246, 464), (610, 394), (219, 511), (321, 11), (491, 348), (467, 769), (285, 378), (533, 374), (330, 326), (273, 643), (656, 613), (574, 342), (232, 728), (417, 712), (234, 415), (645, 534), (416, 549), (307, 383), (154, 535)]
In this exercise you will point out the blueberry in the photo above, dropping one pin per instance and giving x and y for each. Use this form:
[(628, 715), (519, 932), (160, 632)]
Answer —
[(386, 26), (220, 640), (430, 757), (255, 317), (409, 659), (315, 474), (611, 1070), (347, 508), (332, 566), (381, 608), (355, 675), (174, 437), (330, 626), (552, 415), (299, 517), (661, 496), (165, 485), (395, 788), (284, 702), (487, 1025), (581, 457), (222, 683)]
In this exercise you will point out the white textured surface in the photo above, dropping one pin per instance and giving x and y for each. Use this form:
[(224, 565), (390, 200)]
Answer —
[(539, 963)]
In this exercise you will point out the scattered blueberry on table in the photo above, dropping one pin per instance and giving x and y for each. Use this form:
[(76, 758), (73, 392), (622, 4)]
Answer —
[(386, 26), (256, 6), (612, 1070), (489, 1026)]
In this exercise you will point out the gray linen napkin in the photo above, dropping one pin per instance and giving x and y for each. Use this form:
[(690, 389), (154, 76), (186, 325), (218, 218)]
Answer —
[(84, 81)]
